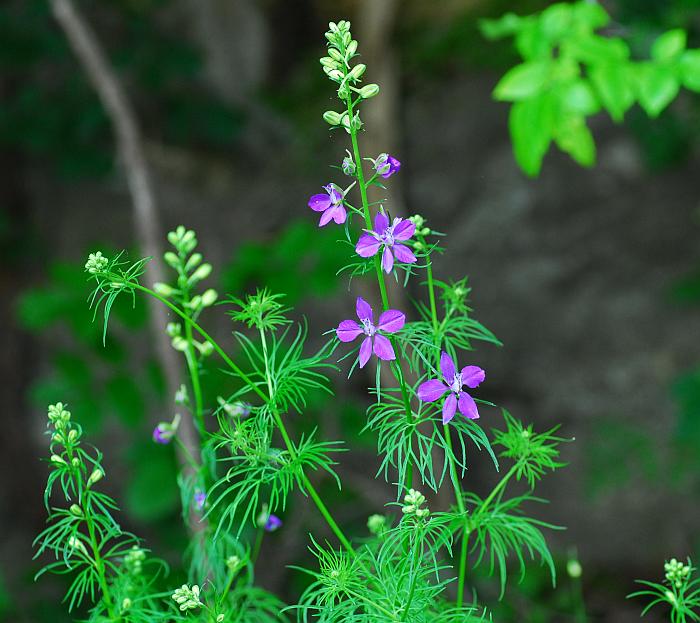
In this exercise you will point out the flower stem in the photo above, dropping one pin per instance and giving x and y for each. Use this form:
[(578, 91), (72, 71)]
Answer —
[(265, 398), (396, 367), (449, 456)]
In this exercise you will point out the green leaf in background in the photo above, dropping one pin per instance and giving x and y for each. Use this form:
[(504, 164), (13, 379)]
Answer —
[(577, 97), (531, 127), (556, 21), (151, 492), (657, 87), (505, 26), (573, 136), (614, 87), (690, 69), (669, 45), (523, 81)]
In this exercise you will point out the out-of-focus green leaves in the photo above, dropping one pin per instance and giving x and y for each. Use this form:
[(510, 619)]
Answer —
[(152, 493), (316, 254), (570, 72)]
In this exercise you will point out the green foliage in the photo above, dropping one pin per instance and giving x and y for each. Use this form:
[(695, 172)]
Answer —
[(680, 592), (570, 72), (506, 530)]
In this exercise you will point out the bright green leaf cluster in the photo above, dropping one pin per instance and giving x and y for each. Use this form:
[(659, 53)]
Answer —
[(570, 72)]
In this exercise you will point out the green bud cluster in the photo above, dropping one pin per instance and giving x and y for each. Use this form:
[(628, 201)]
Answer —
[(677, 574), (187, 598), (342, 48), (262, 310), (64, 433), (96, 263), (376, 524), (412, 503), (234, 563), (133, 560)]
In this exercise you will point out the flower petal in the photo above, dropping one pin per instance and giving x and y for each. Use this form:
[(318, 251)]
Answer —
[(348, 330), (387, 260), (449, 407), (383, 348), (365, 351), (335, 194), (367, 245), (326, 217), (381, 222), (391, 321), (447, 367), (339, 214), (319, 203), (473, 376), (431, 390), (404, 254), (363, 309), (404, 230), (467, 406)]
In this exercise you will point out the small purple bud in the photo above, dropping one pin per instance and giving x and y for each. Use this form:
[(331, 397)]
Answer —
[(161, 434), (386, 165), (165, 431), (273, 523), (199, 499)]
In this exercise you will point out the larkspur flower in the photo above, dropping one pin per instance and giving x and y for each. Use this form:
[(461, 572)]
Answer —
[(386, 165), (200, 499), (390, 321), (273, 523), (388, 236), (331, 204), (165, 431), (454, 381)]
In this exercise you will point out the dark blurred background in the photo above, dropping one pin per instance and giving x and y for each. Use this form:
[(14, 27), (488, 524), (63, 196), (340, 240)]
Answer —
[(591, 278)]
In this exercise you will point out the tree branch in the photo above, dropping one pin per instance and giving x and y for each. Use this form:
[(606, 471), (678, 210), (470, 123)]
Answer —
[(87, 49)]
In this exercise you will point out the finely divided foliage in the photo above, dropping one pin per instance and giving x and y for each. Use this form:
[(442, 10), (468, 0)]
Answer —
[(246, 460)]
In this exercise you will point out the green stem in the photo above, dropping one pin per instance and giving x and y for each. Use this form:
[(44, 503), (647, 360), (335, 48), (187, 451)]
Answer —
[(99, 563), (414, 564), (497, 489), (449, 456), (396, 368), (265, 398)]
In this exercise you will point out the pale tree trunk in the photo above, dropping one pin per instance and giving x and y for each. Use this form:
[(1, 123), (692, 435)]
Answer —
[(130, 151)]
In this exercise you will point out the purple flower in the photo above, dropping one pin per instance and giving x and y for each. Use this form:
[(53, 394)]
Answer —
[(386, 165), (454, 381), (273, 523), (387, 236), (165, 431), (390, 321), (199, 499), (331, 204)]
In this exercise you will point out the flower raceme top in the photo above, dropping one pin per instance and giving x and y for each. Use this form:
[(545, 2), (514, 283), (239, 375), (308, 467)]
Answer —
[(390, 321), (389, 236), (331, 204), (453, 382)]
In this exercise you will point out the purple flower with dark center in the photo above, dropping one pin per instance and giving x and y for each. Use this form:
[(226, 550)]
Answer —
[(390, 321), (386, 165), (273, 523), (331, 204), (387, 236), (199, 499), (454, 381)]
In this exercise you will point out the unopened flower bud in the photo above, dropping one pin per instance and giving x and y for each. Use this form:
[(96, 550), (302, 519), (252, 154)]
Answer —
[(163, 289), (356, 123), (194, 261), (219, 618), (201, 273), (57, 460), (357, 71), (327, 61), (233, 563), (75, 462), (352, 48), (574, 569), (335, 74), (96, 263), (368, 91), (73, 436), (331, 117), (195, 303), (209, 297), (376, 524), (126, 603), (206, 349), (171, 259), (180, 344), (95, 477), (76, 510)]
